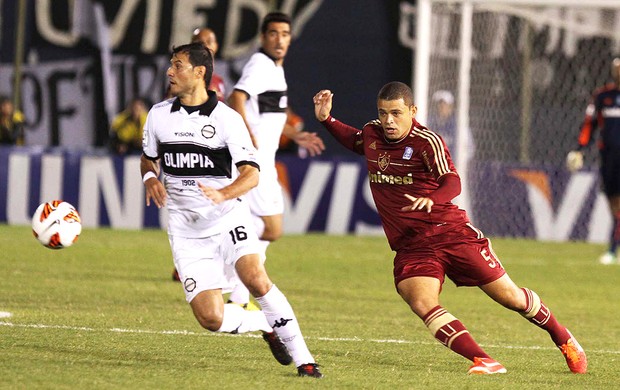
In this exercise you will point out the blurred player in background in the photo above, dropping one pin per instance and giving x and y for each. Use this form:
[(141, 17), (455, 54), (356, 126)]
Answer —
[(260, 96), (603, 112), (413, 181), (207, 37), (208, 163)]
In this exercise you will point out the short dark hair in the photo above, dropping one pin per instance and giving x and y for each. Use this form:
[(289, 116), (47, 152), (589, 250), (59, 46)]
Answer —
[(396, 90), (198, 56), (277, 17)]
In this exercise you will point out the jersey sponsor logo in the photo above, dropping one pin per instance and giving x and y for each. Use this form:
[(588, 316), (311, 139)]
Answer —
[(384, 161), (184, 134), (208, 131), (380, 178), (189, 159), (373, 145)]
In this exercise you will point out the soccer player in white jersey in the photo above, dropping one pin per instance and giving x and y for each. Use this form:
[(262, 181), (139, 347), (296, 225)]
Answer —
[(260, 96), (198, 142)]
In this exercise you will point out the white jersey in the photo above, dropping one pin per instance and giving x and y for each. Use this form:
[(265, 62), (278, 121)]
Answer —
[(204, 146), (265, 109)]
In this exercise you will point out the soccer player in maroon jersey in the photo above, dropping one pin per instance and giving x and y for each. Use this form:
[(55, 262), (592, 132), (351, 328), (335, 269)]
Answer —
[(603, 112), (413, 180)]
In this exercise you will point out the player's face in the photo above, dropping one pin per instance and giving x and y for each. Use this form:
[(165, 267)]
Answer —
[(181, 75), (276, 40), (208, 39), (396, 118)]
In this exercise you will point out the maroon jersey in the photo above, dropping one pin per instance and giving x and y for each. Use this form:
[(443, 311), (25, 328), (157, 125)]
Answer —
[(217, 85), (415, 165)]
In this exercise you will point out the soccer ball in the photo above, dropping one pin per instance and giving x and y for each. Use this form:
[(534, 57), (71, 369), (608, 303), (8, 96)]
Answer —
[(56, 224)]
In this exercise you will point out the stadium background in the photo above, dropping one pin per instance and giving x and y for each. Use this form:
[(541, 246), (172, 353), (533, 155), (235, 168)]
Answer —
[(69, 90)]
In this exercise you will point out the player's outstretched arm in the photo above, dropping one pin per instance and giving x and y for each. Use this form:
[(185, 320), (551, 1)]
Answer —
[(323, 104)]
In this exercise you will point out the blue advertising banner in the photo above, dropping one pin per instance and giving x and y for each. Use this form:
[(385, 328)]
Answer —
[(328, 194)]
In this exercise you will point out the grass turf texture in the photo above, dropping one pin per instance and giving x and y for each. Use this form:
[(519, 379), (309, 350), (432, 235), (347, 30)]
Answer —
[(104, 314)]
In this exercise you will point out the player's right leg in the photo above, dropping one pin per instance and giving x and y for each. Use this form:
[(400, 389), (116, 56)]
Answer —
[(422, 295)]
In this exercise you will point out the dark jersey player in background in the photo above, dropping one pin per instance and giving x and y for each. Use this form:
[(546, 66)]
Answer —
[(413, 180), (603, 112)]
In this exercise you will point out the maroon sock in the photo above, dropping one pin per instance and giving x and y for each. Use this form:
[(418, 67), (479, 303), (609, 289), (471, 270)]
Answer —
[(452, 333), (540, 315)]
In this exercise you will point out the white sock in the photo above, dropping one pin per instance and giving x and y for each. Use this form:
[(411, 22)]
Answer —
[(237, 320), (281, 317), (240, 294)]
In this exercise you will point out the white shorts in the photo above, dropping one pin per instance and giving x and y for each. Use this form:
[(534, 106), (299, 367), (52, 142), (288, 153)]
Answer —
[(209, 263), (266, 198)]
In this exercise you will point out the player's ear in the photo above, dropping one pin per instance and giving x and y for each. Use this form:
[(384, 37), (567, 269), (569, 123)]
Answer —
[(413, 109), (199, 71)]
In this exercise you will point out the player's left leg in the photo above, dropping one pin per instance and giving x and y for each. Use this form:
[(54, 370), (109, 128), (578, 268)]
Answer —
[(278, 311), (527, 303)]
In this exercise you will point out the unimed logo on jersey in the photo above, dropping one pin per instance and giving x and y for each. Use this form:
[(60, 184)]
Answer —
[(389, 179)]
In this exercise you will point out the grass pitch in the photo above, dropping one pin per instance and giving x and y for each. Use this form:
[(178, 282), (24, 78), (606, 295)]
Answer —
[(105, 314)]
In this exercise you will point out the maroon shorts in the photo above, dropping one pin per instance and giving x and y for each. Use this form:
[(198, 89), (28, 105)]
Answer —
[(462, 253)]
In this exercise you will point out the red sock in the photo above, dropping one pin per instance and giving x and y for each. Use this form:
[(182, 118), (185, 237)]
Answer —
[(538, 314), (452, 333)]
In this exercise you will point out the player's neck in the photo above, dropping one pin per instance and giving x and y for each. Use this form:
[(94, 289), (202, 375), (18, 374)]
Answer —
[(195, 98)]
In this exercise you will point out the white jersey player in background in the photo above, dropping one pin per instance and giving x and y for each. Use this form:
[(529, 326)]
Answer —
[(199, 142), (260, 96)]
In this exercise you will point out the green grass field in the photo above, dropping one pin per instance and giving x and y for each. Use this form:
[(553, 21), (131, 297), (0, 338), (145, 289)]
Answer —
[(104, 314)]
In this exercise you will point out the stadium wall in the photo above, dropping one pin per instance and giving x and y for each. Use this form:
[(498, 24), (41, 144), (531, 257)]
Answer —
[(328, 194)]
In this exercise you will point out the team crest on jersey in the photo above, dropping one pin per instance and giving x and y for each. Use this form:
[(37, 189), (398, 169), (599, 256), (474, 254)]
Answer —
[(408, 153), (208, 131), (384, 161)]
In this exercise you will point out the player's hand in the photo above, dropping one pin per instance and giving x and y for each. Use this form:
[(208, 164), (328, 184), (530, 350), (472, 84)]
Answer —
[(574, 160), (155, 190), (419, 204), (211, 193), (323, 104), (310, 141)]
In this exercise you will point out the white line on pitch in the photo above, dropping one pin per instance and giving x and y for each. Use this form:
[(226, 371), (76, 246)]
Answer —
[(192, 333)]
